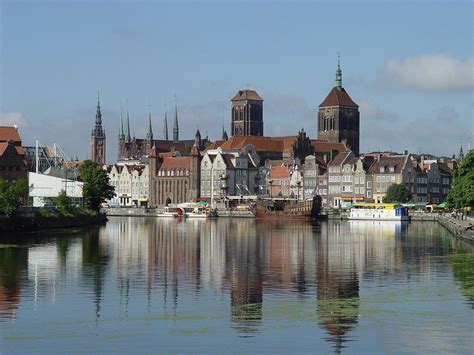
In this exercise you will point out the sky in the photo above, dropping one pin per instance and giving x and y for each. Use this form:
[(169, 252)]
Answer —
[(408, 64)]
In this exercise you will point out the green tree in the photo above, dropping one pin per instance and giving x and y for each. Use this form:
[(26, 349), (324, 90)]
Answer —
[(397, 193), (97, 187), (11, 195), (63, 203), (462, 189)]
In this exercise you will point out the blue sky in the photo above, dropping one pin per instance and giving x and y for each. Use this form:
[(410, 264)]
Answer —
[(409, 65)]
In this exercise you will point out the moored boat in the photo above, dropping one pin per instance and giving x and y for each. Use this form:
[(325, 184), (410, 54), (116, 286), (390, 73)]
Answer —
[(283, 209), (197, 210), (378, 211)]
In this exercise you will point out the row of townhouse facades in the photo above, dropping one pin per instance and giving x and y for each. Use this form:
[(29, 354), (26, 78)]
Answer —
[(348, 179), (222, 173)]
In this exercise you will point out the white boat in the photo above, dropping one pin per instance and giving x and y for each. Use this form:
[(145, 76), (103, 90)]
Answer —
[(196, 210), (378, 212), (172, 212)]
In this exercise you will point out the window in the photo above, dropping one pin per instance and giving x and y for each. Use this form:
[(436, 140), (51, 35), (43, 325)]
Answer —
[(369, 184), (392, 178)]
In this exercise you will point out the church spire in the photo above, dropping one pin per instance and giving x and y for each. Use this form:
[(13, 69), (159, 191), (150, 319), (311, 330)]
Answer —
[(149, 134), (98, 130), (121, 131), (461, 153), (338, 74), (128, 125), (175, 123), (165, 127)]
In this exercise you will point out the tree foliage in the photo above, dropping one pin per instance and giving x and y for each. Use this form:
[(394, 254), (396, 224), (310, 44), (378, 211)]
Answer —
[(97, 187), (11, 194), (63, 203), (462, 189), (397, 193)]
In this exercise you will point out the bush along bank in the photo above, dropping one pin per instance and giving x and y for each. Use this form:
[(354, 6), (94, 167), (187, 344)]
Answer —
[(33, 219)]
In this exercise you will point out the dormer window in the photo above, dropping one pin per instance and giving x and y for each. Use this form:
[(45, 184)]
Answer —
[(392, 169), (382, 169)]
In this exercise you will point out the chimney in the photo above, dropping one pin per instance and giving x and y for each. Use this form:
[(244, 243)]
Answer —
[(404, 152)]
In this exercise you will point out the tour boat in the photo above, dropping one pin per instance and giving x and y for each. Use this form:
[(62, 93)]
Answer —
[(197, 210), (172, 212), (378, 212)]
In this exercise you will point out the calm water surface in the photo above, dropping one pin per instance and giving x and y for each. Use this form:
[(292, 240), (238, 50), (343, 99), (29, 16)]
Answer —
[(236, 286)]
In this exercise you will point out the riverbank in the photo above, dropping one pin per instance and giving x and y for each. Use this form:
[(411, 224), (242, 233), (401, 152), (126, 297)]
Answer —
[(463, 229), (38, 220)]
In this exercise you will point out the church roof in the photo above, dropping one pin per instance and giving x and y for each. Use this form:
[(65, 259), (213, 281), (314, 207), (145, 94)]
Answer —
[(176, 163), (338, 97), (321, 146), (246, 95)]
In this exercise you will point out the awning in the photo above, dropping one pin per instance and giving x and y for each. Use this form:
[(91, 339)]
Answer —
[(442, 204)]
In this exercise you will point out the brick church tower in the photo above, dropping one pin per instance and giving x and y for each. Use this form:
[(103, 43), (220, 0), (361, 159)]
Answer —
[(338, 116), (247, 114), (98, 138)]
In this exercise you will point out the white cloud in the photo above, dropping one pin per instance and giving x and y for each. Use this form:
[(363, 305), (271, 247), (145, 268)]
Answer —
[(12, 118), (371, 111), (436, 72)]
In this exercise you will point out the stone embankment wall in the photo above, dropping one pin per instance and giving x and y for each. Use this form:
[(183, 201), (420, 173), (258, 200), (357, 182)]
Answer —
[(460, 228), (28, 223)]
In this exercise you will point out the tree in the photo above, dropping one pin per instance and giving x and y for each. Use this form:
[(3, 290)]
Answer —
[(11, 195), (397, 193), (63, 203), (97, 187), (462, 189)]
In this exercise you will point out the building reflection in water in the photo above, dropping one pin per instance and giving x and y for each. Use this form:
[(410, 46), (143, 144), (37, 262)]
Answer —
[(166, 261)]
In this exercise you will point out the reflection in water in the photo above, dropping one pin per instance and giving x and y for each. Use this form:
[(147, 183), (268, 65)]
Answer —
[(13, 261), (171, 267)]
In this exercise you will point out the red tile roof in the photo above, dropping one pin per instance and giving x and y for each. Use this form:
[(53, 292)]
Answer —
[(261, 144), (9, 133), (341, 158), (338, 97), (246, 95), (326, 146), (279, 172), (175, 163), (3, 148)]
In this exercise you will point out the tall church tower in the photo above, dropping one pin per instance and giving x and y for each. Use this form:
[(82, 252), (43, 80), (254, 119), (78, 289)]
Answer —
[(149, 133), (338, 116), (175, 122), (98, 138), (247, 114)]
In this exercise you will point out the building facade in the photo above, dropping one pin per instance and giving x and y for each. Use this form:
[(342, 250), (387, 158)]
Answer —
[(174, 179), (247, 114), (12, 155), (228, 173), (338, 117), (131, 185)]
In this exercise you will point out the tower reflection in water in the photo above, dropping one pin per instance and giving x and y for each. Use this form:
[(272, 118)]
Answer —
[(174, 264)]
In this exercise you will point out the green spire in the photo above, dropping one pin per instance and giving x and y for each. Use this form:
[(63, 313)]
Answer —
[(149, 134), (175, 123), (165, 127), (338, 73)]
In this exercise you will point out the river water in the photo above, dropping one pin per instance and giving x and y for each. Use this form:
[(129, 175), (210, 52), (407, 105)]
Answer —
[(237, 286)]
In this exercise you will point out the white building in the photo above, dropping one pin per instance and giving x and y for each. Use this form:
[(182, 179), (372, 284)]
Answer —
[(131, 185), (45, 188), (228, 173)]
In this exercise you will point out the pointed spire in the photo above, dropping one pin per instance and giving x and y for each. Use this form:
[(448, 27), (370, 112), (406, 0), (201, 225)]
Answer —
[(98, 130), (165, 127), (149, 134), (338, 73), (128, 125), (175, 123), (461, 153), (121, 131)]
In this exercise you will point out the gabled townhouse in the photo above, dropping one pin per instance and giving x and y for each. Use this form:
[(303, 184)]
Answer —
[(336, 186), (228, 173), (131, 185)]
